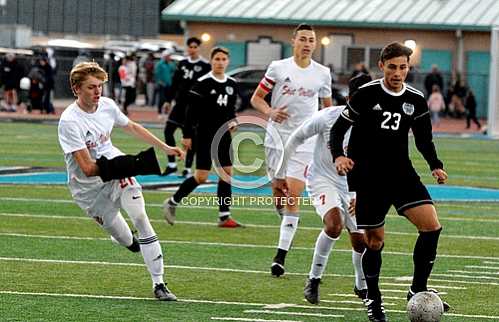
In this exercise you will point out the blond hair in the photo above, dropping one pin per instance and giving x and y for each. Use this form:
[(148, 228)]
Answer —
[(81, 71)]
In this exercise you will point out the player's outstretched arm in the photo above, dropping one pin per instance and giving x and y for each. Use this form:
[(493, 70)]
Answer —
[(145, 135)]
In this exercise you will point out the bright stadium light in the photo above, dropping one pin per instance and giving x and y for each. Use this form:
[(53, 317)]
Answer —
[(410, 43), (205, 37), (325, 41)]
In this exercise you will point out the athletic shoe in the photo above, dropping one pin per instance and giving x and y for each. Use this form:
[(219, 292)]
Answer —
[(186, 173), (361, 294), (135, 246), (376, 311), (162, 293), (229, 223), (411, 293), (311, 290), (169, 170), (277, 267), (169, 212)]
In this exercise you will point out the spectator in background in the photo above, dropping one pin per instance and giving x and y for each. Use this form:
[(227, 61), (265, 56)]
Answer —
[(433, 78), (11, 74), (458, 98), (149, 79), (48, 85), (163, 74), (471, 110), (35, 93), (436, 104), (359, 68), (128, 75)]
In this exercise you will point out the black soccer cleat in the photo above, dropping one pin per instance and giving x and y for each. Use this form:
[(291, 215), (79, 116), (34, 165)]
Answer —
[(361, 294), (169, 170), (135, 246), (376, 310), (162, 293), (411, 293), (186, 173), (311, 290)]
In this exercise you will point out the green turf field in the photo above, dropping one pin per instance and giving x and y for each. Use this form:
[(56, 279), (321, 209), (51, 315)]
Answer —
[(57, 265)]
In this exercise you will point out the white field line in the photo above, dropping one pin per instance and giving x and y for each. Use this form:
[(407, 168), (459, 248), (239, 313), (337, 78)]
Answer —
[(355, 296), (216, 244), (255, 209), (432, 286), (359, 302), (222, 302), (471, 272), (438, 280), (254, 320), (466, 276), (201, 223), (295, 313), (482, 267)]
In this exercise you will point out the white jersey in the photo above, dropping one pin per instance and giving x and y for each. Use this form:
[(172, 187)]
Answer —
[(299, 90), (322, 162), (81, 130)]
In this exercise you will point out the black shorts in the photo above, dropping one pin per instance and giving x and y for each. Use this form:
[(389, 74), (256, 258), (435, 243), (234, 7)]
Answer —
[(221, 156), (373, 203), (177, 114)]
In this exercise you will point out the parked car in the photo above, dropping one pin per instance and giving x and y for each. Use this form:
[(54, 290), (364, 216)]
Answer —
[(248, 78)]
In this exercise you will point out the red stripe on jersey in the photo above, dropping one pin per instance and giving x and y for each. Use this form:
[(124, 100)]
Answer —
[(269, 80), (265, 88)]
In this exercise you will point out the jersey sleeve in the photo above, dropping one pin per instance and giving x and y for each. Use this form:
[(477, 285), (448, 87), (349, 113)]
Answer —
[(421, 128), (121, 119), (71, 138), (269, 79), (325, 90), (309, 128), (195, 97)]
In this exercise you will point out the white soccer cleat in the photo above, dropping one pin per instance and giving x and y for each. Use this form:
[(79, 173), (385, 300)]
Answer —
[(169, 212)]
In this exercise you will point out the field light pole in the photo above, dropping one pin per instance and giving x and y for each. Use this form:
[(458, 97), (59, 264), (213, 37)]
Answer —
[(493, 121)]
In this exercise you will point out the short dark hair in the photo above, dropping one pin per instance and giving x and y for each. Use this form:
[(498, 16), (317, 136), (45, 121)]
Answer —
[(394, 49), (195, 40), (216, 50), (357, 81), (302, 26)]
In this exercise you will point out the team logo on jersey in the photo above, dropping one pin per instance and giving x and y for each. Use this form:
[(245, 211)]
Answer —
[(377, 107), (213, 92), (408, 108), (229, 90), (345, 113), (197, 68)]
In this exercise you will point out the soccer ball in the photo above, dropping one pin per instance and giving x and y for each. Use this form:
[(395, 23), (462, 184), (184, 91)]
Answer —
[(425, 307)]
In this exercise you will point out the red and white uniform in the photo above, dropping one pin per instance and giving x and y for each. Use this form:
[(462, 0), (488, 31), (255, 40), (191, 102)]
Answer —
[(298, 89)]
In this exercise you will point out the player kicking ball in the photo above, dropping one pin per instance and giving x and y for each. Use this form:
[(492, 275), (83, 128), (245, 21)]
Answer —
[(331, 198), (101, 178)]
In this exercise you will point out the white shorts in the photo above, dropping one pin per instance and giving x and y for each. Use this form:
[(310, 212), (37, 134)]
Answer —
[(325, 196), (297, 164), (104, 200)]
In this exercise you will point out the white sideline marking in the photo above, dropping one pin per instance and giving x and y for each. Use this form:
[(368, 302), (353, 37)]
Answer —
[(278, 306), (491, 262), (472, 272), (221, 302), (255, 320), (296, 313), (216, 244), (432, 286), (201, 223), (466, 276), (482, 267)]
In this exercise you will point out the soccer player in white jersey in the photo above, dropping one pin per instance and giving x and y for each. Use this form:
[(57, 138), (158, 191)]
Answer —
[(331, 198), (85, 136), (296, 84)]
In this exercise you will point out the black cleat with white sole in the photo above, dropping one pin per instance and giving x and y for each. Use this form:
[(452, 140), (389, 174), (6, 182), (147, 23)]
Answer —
[(311, 290), (411, 293), (162, 293)]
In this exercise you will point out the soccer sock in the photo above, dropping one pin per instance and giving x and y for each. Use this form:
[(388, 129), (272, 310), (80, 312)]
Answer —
[(170, 140), (185, 189), (172, 164), (323, 246), (289, 224), (149, 244), (425, 252), (360, 280), (119, 230), (280, 211), (189, 158), (224, 194), (371, 264)]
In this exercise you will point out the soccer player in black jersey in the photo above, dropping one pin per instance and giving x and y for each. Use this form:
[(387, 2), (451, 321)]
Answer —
[(186, 73), (211, 106), (381, 114)]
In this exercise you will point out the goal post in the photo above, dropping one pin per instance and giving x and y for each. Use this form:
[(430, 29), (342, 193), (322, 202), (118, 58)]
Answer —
[(493, 115)]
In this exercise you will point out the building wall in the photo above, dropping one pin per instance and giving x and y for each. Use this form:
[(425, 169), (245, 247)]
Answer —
[(105, 17), (427, 39)]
